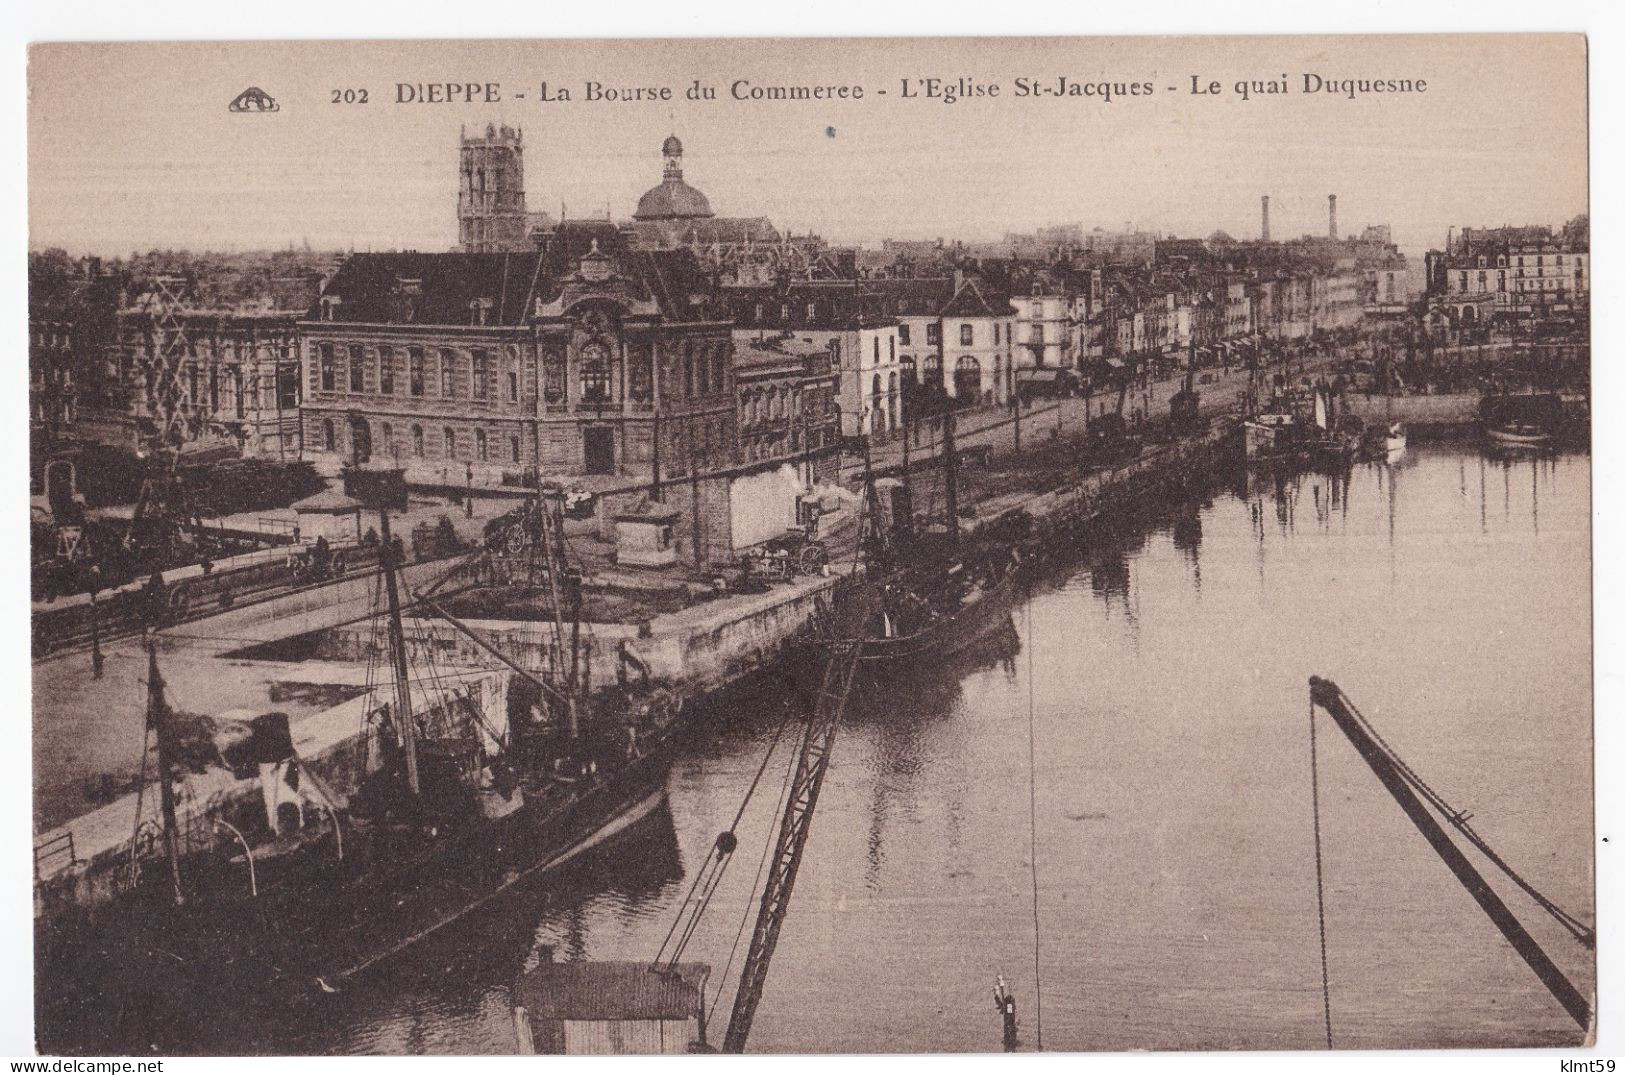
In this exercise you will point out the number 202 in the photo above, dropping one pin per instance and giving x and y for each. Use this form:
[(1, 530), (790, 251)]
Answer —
[(349, 97)]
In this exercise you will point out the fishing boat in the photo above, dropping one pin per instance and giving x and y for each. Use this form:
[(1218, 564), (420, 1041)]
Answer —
[(1521, 421), (261, 868), (949, 618), (1385, 439), (1518, 434), (1277, 434), (940, 593)]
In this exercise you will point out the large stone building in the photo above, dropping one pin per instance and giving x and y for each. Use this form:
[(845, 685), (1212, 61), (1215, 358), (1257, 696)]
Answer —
[(1518, 274), (956, 337), (847, 318), (160, 362), (212, 378), (586, 360)]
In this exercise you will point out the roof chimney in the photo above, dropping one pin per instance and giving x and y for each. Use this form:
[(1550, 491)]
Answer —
[(1266, 232), (1331, 214)]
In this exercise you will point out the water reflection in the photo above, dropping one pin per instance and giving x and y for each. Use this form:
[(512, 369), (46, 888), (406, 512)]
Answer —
[(1167, 691)]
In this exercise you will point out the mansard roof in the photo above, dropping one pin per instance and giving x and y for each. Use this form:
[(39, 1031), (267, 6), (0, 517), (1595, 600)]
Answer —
[(576, 261)]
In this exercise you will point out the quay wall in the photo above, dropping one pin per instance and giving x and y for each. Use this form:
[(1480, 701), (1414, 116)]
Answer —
[(1457, 409), (695, 651)]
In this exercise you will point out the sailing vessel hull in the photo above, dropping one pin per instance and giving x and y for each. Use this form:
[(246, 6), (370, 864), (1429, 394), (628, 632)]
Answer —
[(945, 636), (319, 931), (1517, 438)]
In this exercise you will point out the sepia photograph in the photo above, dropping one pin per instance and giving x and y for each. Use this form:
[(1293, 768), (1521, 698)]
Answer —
[(810, 545)]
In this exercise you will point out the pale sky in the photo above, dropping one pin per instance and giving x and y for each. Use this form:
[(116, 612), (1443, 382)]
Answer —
[(131, 146)]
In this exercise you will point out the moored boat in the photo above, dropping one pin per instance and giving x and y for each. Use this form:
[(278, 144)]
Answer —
[(258, 868), (1522, 421)]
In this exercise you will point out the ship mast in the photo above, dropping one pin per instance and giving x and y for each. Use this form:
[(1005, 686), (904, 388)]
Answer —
[(549, 534), (397, 649), (158, 721), (950, 474)]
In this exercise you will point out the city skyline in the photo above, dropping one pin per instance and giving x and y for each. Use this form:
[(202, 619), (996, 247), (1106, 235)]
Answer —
[(183, 172)]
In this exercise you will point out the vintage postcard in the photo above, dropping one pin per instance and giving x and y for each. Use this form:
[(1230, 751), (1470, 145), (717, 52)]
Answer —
[(810, 546)]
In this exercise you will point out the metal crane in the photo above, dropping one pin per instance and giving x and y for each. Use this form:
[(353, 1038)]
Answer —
[(853, 610)]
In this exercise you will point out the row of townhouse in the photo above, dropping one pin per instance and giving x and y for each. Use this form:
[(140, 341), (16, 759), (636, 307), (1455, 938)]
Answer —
[(1510, 274)]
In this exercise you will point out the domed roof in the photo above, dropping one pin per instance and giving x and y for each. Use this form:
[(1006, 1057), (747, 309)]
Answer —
[(672, 199)]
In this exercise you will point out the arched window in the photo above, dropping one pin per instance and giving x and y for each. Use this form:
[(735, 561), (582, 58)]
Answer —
[(448, 374), (329, 435), (595, 374), (933, 371), (967, 378), (417, 441), (414, 370)]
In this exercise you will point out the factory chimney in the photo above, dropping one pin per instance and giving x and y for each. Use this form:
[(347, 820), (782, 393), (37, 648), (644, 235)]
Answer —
[(1331, 214), (1266, 235)]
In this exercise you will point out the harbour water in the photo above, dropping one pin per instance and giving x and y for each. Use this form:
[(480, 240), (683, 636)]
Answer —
[(1143, 725)]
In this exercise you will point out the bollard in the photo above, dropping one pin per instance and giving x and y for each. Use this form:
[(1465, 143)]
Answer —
[(1005, 1002)]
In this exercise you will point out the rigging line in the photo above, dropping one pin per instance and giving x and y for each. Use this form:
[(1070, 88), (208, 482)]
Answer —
[(723, 858), (1032, 828), (768, 843), (1458, 820), (1320, 883), (718, 858)]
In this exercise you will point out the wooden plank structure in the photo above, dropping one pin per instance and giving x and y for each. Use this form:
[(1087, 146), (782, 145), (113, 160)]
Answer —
[(610, 1009)]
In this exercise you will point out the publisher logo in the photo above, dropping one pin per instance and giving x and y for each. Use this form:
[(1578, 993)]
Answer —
[(254, 99)]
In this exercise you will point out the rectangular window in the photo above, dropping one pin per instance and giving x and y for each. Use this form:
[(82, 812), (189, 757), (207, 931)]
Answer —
[(513, 386), (933, 333), (967, 335), (902, 335), (996, 333), (448, 374), (482, 371), (358, 369), (327, 367), (414, 363), (386, 371), (513, 449)]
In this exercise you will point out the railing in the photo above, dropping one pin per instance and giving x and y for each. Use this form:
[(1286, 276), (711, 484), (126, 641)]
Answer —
[(51, 850)]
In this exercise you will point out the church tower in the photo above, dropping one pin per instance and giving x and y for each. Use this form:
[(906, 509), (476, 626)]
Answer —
[(491, 192)]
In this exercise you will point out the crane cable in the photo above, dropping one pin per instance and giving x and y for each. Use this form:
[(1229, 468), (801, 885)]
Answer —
[(709, 876), (1458, 820), (768, 843), (1032, 830)]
